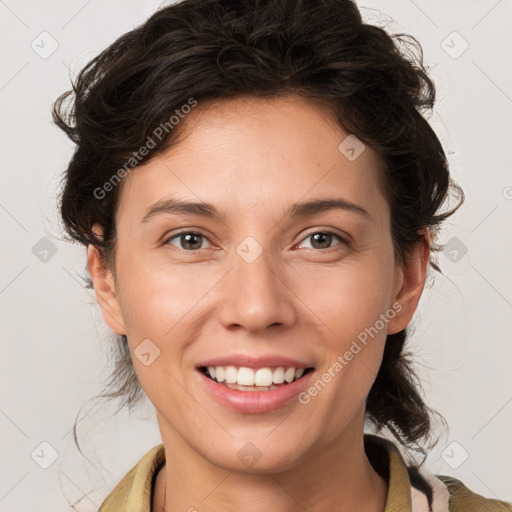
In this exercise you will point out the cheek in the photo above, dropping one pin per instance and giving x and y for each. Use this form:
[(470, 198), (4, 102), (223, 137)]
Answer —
[(354, 306), (157, 296), (348, 298), (166, 305)]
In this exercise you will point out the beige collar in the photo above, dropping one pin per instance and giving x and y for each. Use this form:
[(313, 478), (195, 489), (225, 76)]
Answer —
[(134, 492)]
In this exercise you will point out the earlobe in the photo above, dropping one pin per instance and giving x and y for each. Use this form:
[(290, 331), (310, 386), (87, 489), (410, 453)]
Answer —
[(412, 275), (105, 290)]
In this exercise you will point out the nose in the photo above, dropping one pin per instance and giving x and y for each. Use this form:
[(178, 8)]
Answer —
[(257, 295)]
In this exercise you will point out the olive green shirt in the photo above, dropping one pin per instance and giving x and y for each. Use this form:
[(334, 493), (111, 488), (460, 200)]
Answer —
[(134, 492)]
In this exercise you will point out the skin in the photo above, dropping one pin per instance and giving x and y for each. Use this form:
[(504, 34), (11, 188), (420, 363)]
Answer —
[(252, 158)]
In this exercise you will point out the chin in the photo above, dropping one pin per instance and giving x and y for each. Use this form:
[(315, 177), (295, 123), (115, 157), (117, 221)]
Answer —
[(257, 457)]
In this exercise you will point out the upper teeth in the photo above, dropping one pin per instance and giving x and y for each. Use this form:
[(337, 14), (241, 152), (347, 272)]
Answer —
[(254, 377)]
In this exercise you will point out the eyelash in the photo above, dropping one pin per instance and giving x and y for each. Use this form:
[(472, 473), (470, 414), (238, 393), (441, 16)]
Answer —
[(181, 233)]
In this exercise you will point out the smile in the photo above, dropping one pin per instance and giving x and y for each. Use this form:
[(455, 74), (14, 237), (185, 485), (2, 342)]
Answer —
[(241, 388), (254, 379)]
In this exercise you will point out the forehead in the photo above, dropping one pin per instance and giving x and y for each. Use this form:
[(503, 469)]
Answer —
[(250, 153)]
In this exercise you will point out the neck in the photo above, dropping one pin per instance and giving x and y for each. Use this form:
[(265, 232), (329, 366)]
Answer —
[(337, 477)]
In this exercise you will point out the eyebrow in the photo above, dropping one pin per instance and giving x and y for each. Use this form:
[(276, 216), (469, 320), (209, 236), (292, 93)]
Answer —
[(207, 210)]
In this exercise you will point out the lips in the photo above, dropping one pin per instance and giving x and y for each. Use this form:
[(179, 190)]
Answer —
[(254, 384), (254, 399)]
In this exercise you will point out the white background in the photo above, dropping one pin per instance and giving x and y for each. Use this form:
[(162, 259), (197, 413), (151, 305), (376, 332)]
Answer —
[(54, 345)]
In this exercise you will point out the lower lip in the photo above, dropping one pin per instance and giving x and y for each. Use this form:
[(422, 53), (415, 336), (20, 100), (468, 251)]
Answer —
[(255, 402)]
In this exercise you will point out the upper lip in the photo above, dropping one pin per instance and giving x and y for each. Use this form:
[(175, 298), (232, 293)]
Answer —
[(250, 361)]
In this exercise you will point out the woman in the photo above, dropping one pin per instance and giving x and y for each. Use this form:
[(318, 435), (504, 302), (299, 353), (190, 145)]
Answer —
[(260, 196)]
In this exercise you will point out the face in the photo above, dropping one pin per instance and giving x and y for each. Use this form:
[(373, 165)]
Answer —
[(267, 282)]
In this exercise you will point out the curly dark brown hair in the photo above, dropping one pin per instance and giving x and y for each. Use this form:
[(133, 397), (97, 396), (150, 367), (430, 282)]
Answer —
[(375, 84)]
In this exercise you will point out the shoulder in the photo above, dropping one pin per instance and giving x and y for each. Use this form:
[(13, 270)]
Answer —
[(464, 500), (414, 488)]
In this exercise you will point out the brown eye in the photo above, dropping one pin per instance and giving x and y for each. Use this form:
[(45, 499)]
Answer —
[(188, 240), (323, 239)]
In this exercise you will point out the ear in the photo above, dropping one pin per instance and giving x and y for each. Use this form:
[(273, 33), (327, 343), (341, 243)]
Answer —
[(104, 288), (410, 282)]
